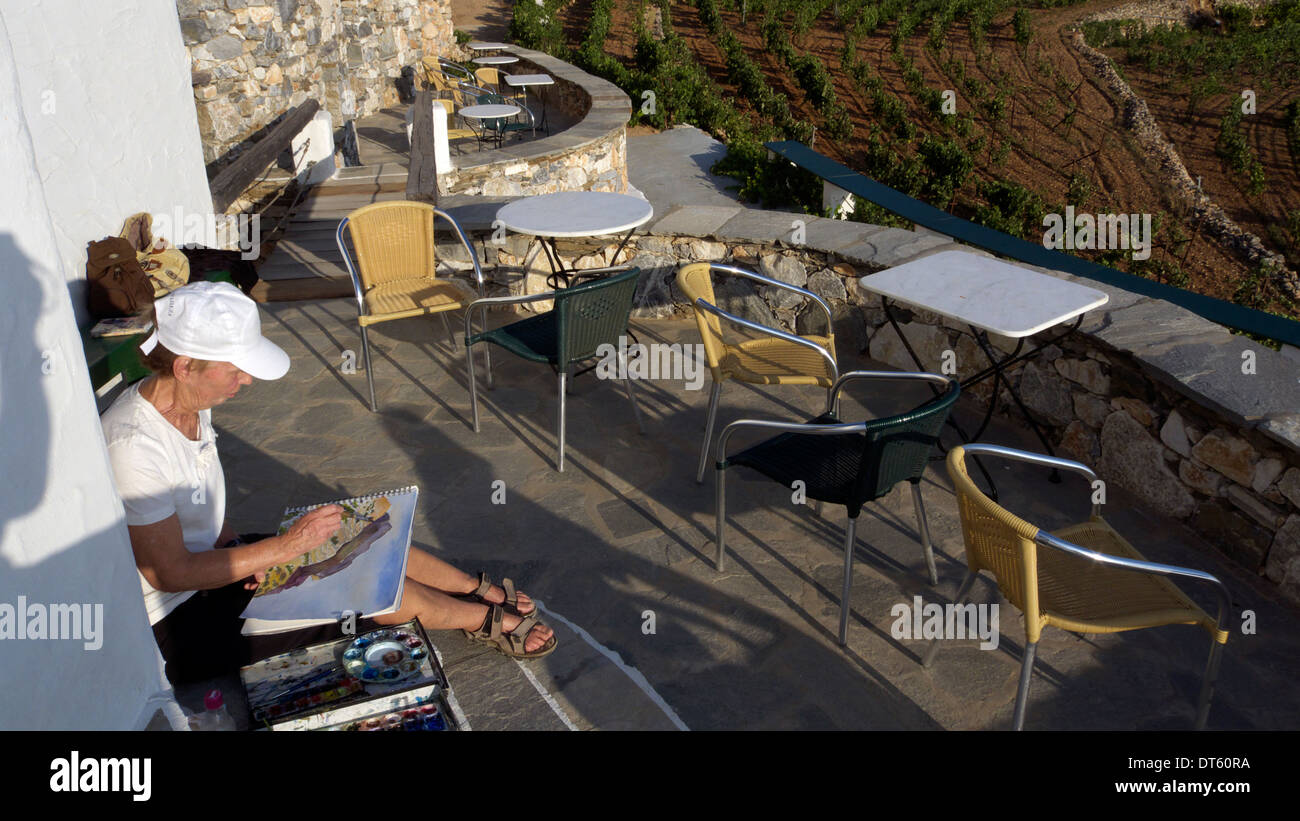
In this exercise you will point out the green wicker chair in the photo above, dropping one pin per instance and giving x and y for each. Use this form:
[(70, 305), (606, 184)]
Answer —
[(847, 464), (584, 318)]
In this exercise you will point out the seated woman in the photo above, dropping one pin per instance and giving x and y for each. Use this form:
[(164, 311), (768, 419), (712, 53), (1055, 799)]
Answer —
[(207, 344)]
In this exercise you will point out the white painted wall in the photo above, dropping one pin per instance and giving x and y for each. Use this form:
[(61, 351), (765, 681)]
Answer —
[(105, 87), (122, 137)]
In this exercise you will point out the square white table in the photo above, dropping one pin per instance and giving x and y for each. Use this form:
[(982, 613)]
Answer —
[(479, 45), (990, 296), (537, 81)]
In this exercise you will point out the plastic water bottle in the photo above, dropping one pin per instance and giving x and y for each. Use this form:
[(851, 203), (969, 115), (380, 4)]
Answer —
[(217, 717)]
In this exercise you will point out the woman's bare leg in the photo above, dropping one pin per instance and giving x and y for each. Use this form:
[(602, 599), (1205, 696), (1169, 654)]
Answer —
[(438, 611), (431, 571)]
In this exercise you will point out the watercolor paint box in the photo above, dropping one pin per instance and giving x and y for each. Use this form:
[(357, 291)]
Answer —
[(339, 683)]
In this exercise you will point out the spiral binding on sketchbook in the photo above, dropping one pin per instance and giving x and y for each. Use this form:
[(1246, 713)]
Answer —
[(400, 491)]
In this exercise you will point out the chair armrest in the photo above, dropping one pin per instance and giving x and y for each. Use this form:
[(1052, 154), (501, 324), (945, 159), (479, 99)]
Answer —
[(754, 326), (792, 427), (852, 375), (352, 269), (1037, 459), (741, 272), (448, 65), (487, 302), (478, 271), (1137, 566)]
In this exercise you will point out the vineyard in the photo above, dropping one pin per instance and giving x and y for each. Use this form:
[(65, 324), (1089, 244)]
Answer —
[(981, 107)]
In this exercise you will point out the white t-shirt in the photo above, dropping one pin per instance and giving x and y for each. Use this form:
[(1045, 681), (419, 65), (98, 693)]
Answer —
[(159, 473)]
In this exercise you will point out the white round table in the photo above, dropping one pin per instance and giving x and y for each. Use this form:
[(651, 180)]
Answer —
[(489, 112), (498, 60), (575, 214)]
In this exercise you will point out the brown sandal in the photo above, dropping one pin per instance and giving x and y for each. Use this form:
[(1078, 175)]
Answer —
[(514, 642), (511, 603)]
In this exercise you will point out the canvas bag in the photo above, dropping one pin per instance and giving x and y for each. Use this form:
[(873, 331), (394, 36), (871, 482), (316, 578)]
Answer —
[(166, 267), (116, 284)]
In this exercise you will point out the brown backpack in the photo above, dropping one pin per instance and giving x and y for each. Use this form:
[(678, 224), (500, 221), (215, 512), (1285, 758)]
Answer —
[(117, 284)]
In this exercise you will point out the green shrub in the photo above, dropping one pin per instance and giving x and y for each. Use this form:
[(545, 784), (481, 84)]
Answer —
[(1233, 147), (1020, 23), (1236, 18), (1012, 209), (948, 166)]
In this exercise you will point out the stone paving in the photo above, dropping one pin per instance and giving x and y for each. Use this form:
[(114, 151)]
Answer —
[(624, 536)]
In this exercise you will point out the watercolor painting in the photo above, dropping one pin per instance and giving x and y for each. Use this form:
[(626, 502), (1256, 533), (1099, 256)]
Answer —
[(360, 568)]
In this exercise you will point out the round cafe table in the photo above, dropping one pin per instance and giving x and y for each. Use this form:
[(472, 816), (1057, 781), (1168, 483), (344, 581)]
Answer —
[(568, 214), (489, 112), (498, 60)]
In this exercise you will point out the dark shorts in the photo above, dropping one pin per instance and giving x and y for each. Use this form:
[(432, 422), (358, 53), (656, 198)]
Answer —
[(200, 639)]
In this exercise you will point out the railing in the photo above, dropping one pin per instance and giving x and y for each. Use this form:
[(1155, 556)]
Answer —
[(1224, 313)]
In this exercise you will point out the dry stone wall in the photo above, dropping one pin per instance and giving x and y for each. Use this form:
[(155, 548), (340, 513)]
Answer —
[(252, 60)]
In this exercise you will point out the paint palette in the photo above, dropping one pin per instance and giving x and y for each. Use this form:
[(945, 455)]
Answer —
[(385, 656)]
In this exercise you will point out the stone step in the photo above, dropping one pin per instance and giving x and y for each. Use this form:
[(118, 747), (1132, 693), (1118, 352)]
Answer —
[(291, 290)]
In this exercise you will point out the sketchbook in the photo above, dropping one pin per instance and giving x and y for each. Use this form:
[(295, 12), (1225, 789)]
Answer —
[(360, 569)]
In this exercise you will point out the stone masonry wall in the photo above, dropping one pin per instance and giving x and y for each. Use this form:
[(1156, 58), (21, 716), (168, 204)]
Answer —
[(1165, 405), (590, 155), (600, 165), (253, 60)]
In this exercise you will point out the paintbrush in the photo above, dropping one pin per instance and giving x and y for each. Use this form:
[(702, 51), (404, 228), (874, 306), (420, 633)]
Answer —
[(301, 683)]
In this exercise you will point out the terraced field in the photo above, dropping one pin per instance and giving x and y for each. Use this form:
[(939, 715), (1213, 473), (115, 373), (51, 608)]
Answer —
[(1028, 125)]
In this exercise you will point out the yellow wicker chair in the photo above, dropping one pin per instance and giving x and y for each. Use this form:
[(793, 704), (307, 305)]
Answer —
[(778, 358), (1085, 578), (488, 77), (394, 274), (454, 133), (431, 73), (439, 74)]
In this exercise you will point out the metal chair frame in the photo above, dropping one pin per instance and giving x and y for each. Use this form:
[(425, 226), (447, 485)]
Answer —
[(850, 534), (1049, 541), (482, 305), (359, 290), (716, 391)]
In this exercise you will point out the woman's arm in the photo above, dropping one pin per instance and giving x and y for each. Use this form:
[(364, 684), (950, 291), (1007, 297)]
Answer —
[(167, 565)]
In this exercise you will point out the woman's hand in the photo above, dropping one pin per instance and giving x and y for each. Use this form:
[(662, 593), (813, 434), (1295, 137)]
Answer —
[(312, 529)]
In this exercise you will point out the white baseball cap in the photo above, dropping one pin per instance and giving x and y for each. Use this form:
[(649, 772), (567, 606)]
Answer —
[(215, 321)]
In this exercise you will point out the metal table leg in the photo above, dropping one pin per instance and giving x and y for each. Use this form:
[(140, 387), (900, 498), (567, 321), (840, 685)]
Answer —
[(998, 367), (893, 321)]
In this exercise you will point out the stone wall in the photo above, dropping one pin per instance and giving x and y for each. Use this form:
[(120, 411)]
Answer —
[(1197, 423), (598, 165), (591, 155), (252, 60)]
